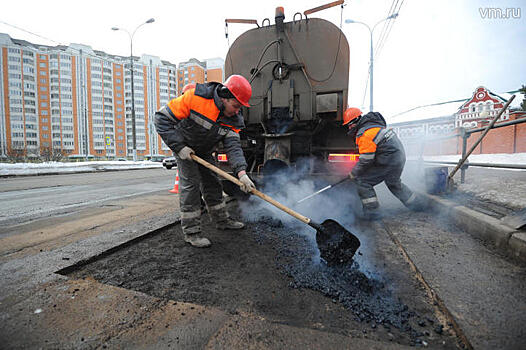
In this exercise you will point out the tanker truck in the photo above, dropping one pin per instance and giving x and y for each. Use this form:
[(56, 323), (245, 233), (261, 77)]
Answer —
[(299, 73)]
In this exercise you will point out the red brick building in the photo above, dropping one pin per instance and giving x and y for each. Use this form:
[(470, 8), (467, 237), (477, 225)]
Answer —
[(435, 135)]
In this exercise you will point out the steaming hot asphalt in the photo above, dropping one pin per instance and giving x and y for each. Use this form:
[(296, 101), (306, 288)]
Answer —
[(273, 269)]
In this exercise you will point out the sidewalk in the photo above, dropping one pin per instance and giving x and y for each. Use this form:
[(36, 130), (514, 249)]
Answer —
[(489, 205)]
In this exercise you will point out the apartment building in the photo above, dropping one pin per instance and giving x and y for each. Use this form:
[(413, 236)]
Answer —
[(195, 71), (77, 101)]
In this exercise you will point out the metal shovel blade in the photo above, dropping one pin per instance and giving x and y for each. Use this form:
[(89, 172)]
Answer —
[(337, 245)]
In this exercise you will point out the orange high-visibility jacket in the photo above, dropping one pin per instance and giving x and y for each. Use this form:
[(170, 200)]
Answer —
[(195, 119), (376, 144)]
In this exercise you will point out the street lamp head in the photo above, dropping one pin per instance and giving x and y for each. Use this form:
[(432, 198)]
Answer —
[(114, 28), (151, 20), (350, 21)]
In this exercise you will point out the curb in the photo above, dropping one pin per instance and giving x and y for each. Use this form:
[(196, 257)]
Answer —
[(482, 226), (517, 244)]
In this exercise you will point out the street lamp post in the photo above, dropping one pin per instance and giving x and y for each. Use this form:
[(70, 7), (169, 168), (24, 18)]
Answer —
[(371, 54), (134, 131)]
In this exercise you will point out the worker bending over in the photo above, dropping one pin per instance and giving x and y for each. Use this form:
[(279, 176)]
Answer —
[(194, 123), (382, 158)]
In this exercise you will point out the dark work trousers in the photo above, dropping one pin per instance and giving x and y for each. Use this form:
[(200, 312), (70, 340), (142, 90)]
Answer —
[(195, 179), (391, 175)]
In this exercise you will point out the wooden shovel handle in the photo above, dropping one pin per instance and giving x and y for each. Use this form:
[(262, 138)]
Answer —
[(261, 195)]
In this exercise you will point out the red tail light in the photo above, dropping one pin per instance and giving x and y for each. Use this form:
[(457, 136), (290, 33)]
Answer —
[(221, 157), (343, 157)]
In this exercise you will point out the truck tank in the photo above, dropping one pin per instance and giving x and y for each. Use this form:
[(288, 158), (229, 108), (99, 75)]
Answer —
[(299, 72)]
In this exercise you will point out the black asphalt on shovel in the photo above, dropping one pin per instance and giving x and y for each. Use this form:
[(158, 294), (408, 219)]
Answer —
[(324, 189), (336, 244)]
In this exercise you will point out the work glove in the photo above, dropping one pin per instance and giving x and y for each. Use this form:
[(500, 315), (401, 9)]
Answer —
[(247, 184), (185, 152)]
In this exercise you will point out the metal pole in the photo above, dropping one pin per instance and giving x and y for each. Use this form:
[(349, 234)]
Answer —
[(83, 106), (371, 74), (465, 136), (150, 108), (371, 61), (134, 130), (488, 128)]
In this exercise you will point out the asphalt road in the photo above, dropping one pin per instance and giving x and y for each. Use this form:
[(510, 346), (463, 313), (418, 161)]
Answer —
[(57, 221), (40, 213), (24, 199)]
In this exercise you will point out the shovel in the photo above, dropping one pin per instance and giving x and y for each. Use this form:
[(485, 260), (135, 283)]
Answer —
[(336, 244), (324, 189)]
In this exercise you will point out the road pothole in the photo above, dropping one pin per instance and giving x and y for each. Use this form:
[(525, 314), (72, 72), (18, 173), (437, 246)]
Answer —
[(269, 270)]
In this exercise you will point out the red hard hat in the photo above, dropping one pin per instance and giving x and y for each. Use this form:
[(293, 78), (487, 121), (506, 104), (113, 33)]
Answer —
[(351, 114), (188, 87), (240, 88)]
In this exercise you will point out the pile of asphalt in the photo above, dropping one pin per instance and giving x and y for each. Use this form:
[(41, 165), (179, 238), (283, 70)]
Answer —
[(368, 298)]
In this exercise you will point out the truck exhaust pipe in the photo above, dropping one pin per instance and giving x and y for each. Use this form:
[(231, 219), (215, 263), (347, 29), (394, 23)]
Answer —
[(277, 152)]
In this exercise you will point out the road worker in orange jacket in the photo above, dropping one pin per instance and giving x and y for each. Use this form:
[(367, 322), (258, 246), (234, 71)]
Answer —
[(382, 158), (194, 123)]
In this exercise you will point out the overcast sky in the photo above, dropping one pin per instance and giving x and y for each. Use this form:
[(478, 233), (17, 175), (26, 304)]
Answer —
[(436, 50)]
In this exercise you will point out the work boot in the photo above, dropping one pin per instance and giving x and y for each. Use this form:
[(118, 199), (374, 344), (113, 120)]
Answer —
[(229, 224), (197, 241), (418, 204)]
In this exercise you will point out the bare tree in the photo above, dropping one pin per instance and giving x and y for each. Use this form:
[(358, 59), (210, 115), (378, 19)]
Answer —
[(523, 91), (50, 153), (16, 155)]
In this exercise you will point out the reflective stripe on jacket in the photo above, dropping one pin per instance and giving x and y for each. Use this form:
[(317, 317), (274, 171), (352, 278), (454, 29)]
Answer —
[(376, 144), (195, 120)]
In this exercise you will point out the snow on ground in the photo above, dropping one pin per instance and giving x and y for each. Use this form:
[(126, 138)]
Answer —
[(11, 169), (510, 192)]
